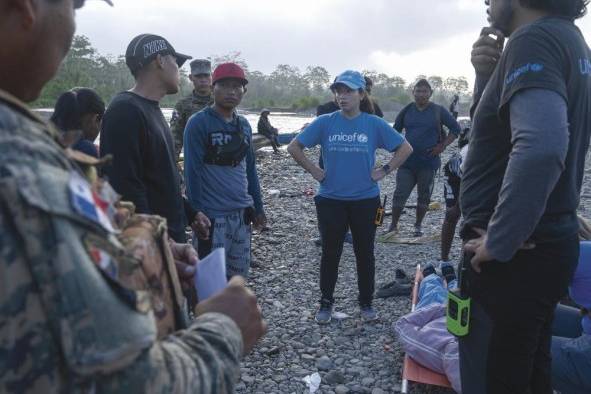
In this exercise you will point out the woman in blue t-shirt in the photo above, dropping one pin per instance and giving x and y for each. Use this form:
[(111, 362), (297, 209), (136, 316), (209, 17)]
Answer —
[(349, 195)]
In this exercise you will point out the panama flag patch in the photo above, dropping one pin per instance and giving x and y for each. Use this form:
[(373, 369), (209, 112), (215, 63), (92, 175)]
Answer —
[(104, 261), (84, 202)]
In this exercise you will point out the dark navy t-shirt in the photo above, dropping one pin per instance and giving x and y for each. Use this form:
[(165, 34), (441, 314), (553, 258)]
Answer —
[(550, 53), (85, 146), (423, 133)]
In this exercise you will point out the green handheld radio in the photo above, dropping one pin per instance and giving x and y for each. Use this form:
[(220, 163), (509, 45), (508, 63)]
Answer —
[(458, 304)]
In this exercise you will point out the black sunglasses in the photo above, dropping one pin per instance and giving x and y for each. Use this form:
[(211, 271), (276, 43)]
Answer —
[(78, 4)]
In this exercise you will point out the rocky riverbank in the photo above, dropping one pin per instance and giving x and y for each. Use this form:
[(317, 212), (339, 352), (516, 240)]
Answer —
[(350, 356)]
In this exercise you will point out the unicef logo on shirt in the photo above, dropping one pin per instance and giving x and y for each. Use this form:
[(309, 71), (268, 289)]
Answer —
[(351, 138)]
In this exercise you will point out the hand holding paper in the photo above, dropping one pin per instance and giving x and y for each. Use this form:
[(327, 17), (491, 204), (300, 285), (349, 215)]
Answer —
[(211, 274)]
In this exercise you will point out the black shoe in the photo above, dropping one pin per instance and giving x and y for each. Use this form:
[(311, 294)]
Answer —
[(401, 276), (393, 289), (428, 270), (324, 313), (448, 272)]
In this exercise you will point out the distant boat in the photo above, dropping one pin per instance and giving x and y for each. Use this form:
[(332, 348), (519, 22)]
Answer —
[(285, 139), (259, 140)]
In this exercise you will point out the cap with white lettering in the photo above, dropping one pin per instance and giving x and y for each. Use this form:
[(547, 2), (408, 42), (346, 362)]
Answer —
[(145, 47)]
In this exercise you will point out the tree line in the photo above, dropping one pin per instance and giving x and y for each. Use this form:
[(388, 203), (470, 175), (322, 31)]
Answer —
[(287, 87)]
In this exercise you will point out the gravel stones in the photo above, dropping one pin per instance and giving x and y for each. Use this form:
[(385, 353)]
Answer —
[(357, 356), (340, 389), (324, 363), (334, 377)]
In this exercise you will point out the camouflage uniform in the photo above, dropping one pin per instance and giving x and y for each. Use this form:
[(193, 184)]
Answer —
[(67, 325), (182, 112)]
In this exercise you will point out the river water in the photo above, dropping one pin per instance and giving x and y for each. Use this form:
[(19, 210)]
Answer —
[(286, 122)]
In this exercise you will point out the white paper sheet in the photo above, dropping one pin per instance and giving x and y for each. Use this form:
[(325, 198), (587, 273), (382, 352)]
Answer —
[(211, 274)]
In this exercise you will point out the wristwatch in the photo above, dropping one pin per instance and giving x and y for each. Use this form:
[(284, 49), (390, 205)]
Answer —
[(386, 168)]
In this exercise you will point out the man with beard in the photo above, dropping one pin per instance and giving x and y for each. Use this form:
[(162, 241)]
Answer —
[(520, 189), (422, 122), (67, 325)]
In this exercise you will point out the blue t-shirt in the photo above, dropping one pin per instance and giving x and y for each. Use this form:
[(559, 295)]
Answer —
[(348, 150), (422, 133)]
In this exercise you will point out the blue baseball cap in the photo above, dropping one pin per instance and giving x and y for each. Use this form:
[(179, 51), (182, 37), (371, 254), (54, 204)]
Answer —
[(351, 79)]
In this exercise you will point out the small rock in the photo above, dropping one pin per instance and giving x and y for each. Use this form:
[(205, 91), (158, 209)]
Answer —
[(273, 351), (368, 381), (334, 377), (378, 391), (324, 363), (300, 372), (247, 379), (278, 305), (354, 371), (340, 389)]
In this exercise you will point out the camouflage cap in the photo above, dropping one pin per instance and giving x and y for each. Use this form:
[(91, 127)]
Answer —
[(200, 66)]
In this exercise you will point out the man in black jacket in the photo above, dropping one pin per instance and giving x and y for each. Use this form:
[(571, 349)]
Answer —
[(136, 133)]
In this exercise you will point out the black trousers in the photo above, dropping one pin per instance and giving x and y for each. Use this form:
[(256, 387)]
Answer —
[(334, 217), (508, 348)]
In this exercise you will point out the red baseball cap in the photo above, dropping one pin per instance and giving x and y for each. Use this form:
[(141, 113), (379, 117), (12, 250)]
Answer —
[(227, 71)]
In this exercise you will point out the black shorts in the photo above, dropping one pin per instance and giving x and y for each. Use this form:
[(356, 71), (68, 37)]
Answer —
[(451, 187)]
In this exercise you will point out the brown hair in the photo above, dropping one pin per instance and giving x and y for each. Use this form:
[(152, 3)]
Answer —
[(366, 103)]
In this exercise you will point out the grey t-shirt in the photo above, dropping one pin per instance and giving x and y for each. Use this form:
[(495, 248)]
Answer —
[(549, 54)]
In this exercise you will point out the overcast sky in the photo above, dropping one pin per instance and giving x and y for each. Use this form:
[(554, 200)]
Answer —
[(398, 37)]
